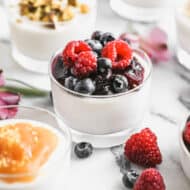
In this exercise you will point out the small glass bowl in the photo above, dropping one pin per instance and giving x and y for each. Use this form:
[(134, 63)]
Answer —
[(104, 121), (51, 176), (33, 42)]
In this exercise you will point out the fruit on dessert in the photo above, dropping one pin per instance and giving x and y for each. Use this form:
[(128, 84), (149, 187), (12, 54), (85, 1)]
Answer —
[(102, 65), (186, 133), (83, 150), (24, 149), (51, 11), (150, 179), (130, 178), (142, 149)]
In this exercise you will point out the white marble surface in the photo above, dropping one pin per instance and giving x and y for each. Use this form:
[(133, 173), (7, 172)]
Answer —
[(166, 115)]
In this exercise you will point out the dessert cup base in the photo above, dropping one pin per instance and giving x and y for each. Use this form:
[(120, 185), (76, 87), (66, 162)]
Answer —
[(138, 14), (29, 63), (183, 58)]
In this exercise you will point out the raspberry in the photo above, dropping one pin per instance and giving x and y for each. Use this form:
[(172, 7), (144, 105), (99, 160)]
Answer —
[(72, 50), (142, 149), (85, 64), (150, 179), (186, 133), (119, 52)]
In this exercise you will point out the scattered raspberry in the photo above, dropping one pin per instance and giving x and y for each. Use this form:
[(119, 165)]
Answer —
[(150, 179), (186, 133), (119, 52), (142, 149), (85, 64), (72, 50)]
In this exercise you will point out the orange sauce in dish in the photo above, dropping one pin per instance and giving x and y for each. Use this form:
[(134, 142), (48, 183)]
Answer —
[(24, 148)]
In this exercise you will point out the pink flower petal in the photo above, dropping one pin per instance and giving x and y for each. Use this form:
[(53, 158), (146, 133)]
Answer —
[(3, 111), (10, 98), (2, 80)]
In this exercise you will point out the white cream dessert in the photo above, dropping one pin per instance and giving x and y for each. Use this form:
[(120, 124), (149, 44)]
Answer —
[(31, 153), (36, 36), (147, 3)]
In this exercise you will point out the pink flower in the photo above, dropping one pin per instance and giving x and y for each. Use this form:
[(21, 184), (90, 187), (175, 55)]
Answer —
[(7, 99), (155, 44)]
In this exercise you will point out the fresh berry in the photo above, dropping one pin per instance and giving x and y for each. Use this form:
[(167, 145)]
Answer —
[(119, 84), (95, 45), (85, 64), (119, 52), (85, 86), (106, 37), (186, 133), (72, 50), (104, 64), (70, 83), (83, 150), (150, 179), (130, 178), (142, 149), (60, 70), (134, 78), (96, 35)]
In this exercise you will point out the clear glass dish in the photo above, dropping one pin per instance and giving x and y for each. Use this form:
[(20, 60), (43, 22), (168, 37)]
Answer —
[(33, 42), (52, 175), (104, 121)]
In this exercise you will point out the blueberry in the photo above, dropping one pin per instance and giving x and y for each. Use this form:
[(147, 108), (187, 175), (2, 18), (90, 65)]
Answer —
[(119, 84), (95, 45), (130, 178), (83, 150), (70, 82), (85, 86), (96, 35), (60, 71), (106, 37), (104, 64), (136, 66)]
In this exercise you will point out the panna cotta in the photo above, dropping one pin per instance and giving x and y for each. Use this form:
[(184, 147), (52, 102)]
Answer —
[(183, 32), (39, 28), (100, 86), (33, 152)]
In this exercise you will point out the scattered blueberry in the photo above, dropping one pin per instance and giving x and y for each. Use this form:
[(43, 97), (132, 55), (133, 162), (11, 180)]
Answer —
[(70, 82), (85, 86), (83, 150), (119, 84), (130, 178), (96, 35), (106, 37), (95, 45)]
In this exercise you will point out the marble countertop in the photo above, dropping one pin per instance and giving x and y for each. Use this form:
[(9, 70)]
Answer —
[(167, 113)]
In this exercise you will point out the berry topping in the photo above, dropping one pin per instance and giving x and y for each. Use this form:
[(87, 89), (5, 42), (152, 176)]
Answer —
[(119, 84), (72, 50), (186, 133), (130, 178), (119, 52), (85, 86), (104, 64), (96, 35), (83, 150), (142, 149), (95, 45), (85, 64), (150, 179), (107, 37), (70, 82)]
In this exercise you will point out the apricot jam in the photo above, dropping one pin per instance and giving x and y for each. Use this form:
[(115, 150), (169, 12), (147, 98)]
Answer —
[(24, 148)]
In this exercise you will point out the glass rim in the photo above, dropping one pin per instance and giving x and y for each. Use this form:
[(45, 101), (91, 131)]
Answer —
[(77, 94), (63, 131)]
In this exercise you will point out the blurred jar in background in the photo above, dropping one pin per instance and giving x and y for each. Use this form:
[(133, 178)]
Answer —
[(182, 18), (140, 10), (38, 28)]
